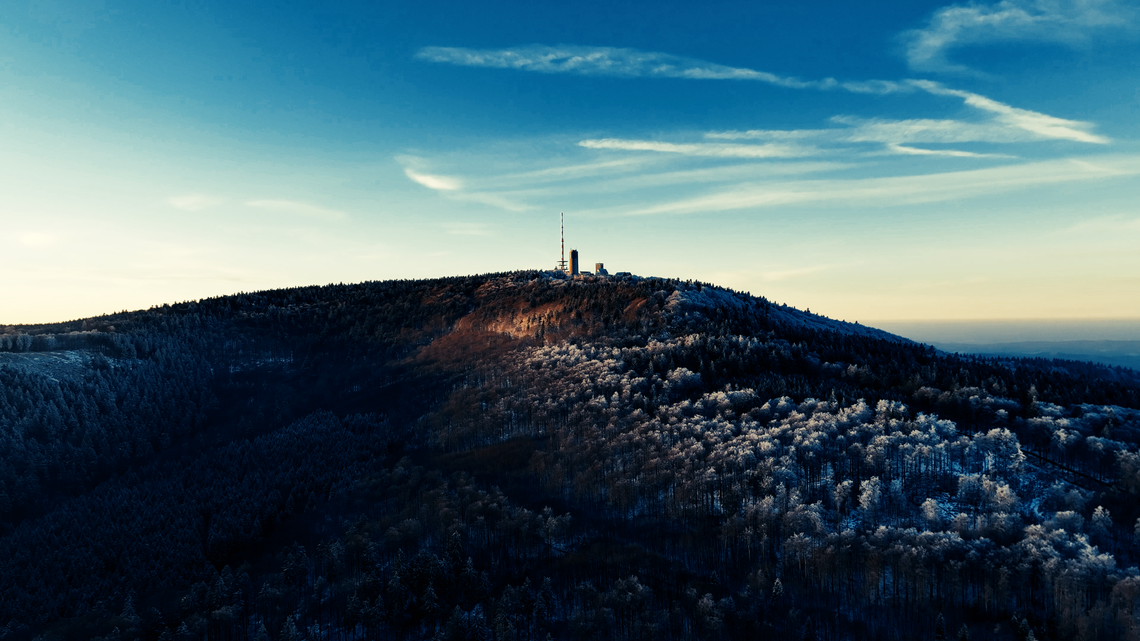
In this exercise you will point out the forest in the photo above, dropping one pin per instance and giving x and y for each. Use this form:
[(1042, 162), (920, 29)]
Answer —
[(526, 456)]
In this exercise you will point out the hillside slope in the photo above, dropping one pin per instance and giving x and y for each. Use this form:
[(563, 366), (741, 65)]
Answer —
[(519, 455)]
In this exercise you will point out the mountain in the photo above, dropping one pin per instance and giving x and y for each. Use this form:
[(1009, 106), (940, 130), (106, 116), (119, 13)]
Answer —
[(529, 456)]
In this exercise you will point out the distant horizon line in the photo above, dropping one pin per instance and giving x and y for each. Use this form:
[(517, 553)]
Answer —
[(1048, 319)]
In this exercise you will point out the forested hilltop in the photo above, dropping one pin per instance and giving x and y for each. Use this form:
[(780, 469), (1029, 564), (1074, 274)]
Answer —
[(526, 456)]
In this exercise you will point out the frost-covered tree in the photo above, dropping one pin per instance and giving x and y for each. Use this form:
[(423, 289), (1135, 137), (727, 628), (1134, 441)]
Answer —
[(870, 495), (1101, 522), (930, 513)]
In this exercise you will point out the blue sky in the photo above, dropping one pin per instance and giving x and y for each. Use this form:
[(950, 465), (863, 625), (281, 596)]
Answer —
[(906, 161)]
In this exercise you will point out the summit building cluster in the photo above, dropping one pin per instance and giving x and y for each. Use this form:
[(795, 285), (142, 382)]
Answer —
[(572, 268)]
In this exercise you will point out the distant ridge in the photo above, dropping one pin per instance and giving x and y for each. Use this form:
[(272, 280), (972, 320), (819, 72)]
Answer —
[(1105, 352)]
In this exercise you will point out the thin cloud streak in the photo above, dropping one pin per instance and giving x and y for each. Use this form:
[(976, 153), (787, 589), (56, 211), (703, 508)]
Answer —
[(953, 153), (898, 190), (607, 61), (919, 130), (574, 172), (771, 150), (438, 183), (729, 173), (1043, 125), (1069, 22), (924, 130), (1006, 125), (876, 87)]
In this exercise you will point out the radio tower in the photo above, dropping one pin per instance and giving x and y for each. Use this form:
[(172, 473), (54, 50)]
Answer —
[(562, 235)]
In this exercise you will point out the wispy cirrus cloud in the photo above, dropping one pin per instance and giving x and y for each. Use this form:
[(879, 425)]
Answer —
[(415, 170), (620, 62), (576, 171), (952, 153), (631, 63), (1069, 22), (716, 150), (1042, 125), (918, 130), (898, 190), (607, 61), (890, 145), (1004, 124), (894, 136), (298, 209), (927, 130), (709, 175), (438, 183), (480, 191), (744, 184)]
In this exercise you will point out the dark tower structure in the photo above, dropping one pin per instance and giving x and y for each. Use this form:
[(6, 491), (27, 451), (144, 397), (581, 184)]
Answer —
[(573, 262)]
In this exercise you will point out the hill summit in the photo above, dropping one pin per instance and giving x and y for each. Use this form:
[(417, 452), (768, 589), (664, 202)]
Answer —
[(525, 455)]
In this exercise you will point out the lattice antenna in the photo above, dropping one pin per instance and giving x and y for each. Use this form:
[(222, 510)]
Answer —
[(562, 236)]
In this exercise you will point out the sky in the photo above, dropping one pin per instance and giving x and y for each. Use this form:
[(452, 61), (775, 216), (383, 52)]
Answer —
[(914, 161)]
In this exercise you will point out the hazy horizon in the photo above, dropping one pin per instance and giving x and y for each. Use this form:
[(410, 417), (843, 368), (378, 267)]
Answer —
[(981, 331)]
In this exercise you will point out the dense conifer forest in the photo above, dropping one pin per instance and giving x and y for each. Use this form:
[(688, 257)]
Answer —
[(527, 456)]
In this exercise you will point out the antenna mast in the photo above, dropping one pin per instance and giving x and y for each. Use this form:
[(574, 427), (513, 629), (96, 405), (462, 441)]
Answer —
[(562, 237)]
